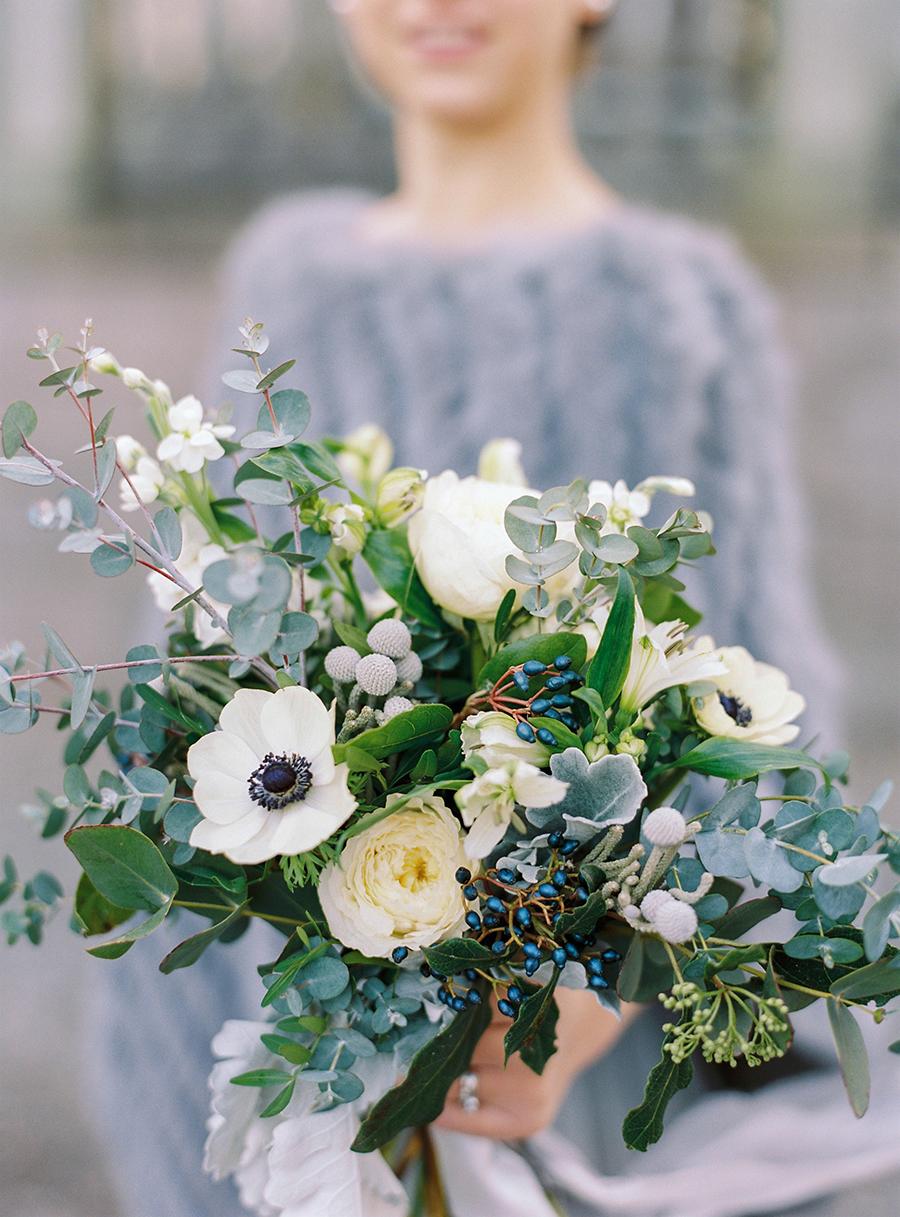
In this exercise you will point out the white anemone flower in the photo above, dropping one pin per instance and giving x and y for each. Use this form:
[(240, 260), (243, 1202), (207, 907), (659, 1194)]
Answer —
[(197, 552), (266, 782), (752, 701), (192, 440), (626, 507), (662, 658), (488, 805)]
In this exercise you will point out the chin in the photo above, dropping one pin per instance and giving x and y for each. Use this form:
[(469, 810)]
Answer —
[(456, 101)]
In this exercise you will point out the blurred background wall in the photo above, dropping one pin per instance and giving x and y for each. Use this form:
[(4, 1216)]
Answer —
[(136, 135)]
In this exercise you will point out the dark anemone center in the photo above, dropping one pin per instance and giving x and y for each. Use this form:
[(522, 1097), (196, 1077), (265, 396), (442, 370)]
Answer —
[(735, 709), (280, 780)]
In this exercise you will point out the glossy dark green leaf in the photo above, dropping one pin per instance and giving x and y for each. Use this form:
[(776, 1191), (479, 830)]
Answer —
[(457, 954), (388, 556), (736, 761), (584, 919), (118, 946), (93, 913), (543, 647), (189, 951), (411, 729), (533, 1033), (609, 667), (420, 1097), (644, 1124), (123, 865)]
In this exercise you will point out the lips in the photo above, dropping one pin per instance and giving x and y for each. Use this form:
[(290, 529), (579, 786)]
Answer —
[(446, 43)]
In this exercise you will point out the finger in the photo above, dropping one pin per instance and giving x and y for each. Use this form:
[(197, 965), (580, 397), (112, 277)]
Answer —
[(497, 1123)]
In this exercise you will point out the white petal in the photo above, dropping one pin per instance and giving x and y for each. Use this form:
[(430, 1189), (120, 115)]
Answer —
[(221, 752), (302, 827), (535, 789), (222, 798), (261, 846), (295, 720), (242, 717), (170, 447), (487, 831), (333, 797), (222, 838)]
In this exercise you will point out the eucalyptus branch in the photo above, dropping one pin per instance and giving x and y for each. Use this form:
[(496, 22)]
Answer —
[(133, 663)]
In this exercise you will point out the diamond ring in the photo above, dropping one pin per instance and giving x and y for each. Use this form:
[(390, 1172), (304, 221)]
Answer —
[(468, 1092)]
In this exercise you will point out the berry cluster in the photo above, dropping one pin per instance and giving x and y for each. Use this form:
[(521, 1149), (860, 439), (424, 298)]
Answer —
[(514, 694), (517, 921)]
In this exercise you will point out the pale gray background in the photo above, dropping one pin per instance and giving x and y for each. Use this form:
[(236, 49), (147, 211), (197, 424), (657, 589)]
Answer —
[(136, 134)]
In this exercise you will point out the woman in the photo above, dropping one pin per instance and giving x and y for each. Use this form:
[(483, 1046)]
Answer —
[(502, 289)]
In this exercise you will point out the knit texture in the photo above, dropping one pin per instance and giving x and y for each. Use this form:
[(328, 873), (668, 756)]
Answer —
[(642, 345)]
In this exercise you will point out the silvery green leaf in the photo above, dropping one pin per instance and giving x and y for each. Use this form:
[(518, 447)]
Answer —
[(26, 470), (838, 902), (58, 648), (16, 719), (537, 602), (243, 380), (298, 632), (852, 1055), (266, 492), (106, 467), (84, 506), (522, 533), (613, 547), (168, 525), (607, 791), (769, 864), (323, 978), (109, 561), (292, 410), (738, 805), (848, 870), (530, 515), (881, 923), (522, 572), (83, 542), (263, 440), (254, 633), (559, 551), (275, 584), (19, 421), (722, 853), (146, 672), (880, 798), (82, 691)]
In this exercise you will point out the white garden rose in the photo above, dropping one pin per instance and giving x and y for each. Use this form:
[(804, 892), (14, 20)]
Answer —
[(753, 701), (492, 736), (489, 804), (394, 884), (266, 782)]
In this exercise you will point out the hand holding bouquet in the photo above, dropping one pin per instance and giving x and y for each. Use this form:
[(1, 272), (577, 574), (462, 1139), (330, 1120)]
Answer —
[(451, 737)]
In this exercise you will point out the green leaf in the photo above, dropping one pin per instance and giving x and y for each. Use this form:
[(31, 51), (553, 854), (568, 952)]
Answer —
[(646, 970), (543, 647), (644, 1124), (124, 866), (504, 612), (108, 561), (419, 1098), (533, 1034), (609, 667), (583, 920), (19, 421), (189, 951), (168, 525), (852, 1056), (454, 956), (745, 916), (261, 1077), (878, 980), (82, 692), (118, 946), (93, 913), (319, 462), (96, 738), (388, 556), (276, 373), (411, 729), (280, 1101), (734, 760)]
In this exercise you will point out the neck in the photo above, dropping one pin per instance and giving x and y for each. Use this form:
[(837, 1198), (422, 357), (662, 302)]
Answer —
[(522, 170)]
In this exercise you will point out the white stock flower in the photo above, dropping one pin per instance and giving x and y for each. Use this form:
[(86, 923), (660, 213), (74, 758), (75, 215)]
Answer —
[(192, 440), (488, 804), (500, 460), (347, 523), (626, 507), (366, 454), (129, 451), (394, 884), (266, 782), (492, 736), (197, 552), (752, 701), (662, 658), (143, 485)]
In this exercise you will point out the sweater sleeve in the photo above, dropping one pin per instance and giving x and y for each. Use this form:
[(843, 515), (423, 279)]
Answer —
[(765, 592)]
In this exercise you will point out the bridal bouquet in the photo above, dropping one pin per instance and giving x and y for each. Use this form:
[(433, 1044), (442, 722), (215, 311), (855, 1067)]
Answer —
[(454, 739)]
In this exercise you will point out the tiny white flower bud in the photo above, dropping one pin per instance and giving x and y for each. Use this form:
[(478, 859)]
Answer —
[(396, 705), (376, 674), (399, 494), (665, 827), (134, 378), (409, 668), (390, 637), (675, 921), (340, 664)]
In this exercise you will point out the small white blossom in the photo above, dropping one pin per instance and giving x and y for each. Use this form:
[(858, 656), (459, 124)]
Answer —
[(500, 460), (492, 736), (366, 454), (347, 524), (192, 439), (752, 701), (400, 492), (143, 485), (627, 507), (488, 804)]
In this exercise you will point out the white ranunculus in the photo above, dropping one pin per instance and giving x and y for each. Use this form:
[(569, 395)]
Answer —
[(266, 782), (366, 454), (500, 460), (662, 658), (192, 440), (492, 736), (626, 507), (197, 552), (394, 884), (753, 701), (488, 805)]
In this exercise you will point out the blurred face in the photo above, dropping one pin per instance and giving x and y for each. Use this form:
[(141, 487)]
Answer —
[(465, 60)]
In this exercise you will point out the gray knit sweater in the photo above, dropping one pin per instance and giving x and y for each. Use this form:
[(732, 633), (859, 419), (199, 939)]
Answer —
[(641, 346)]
